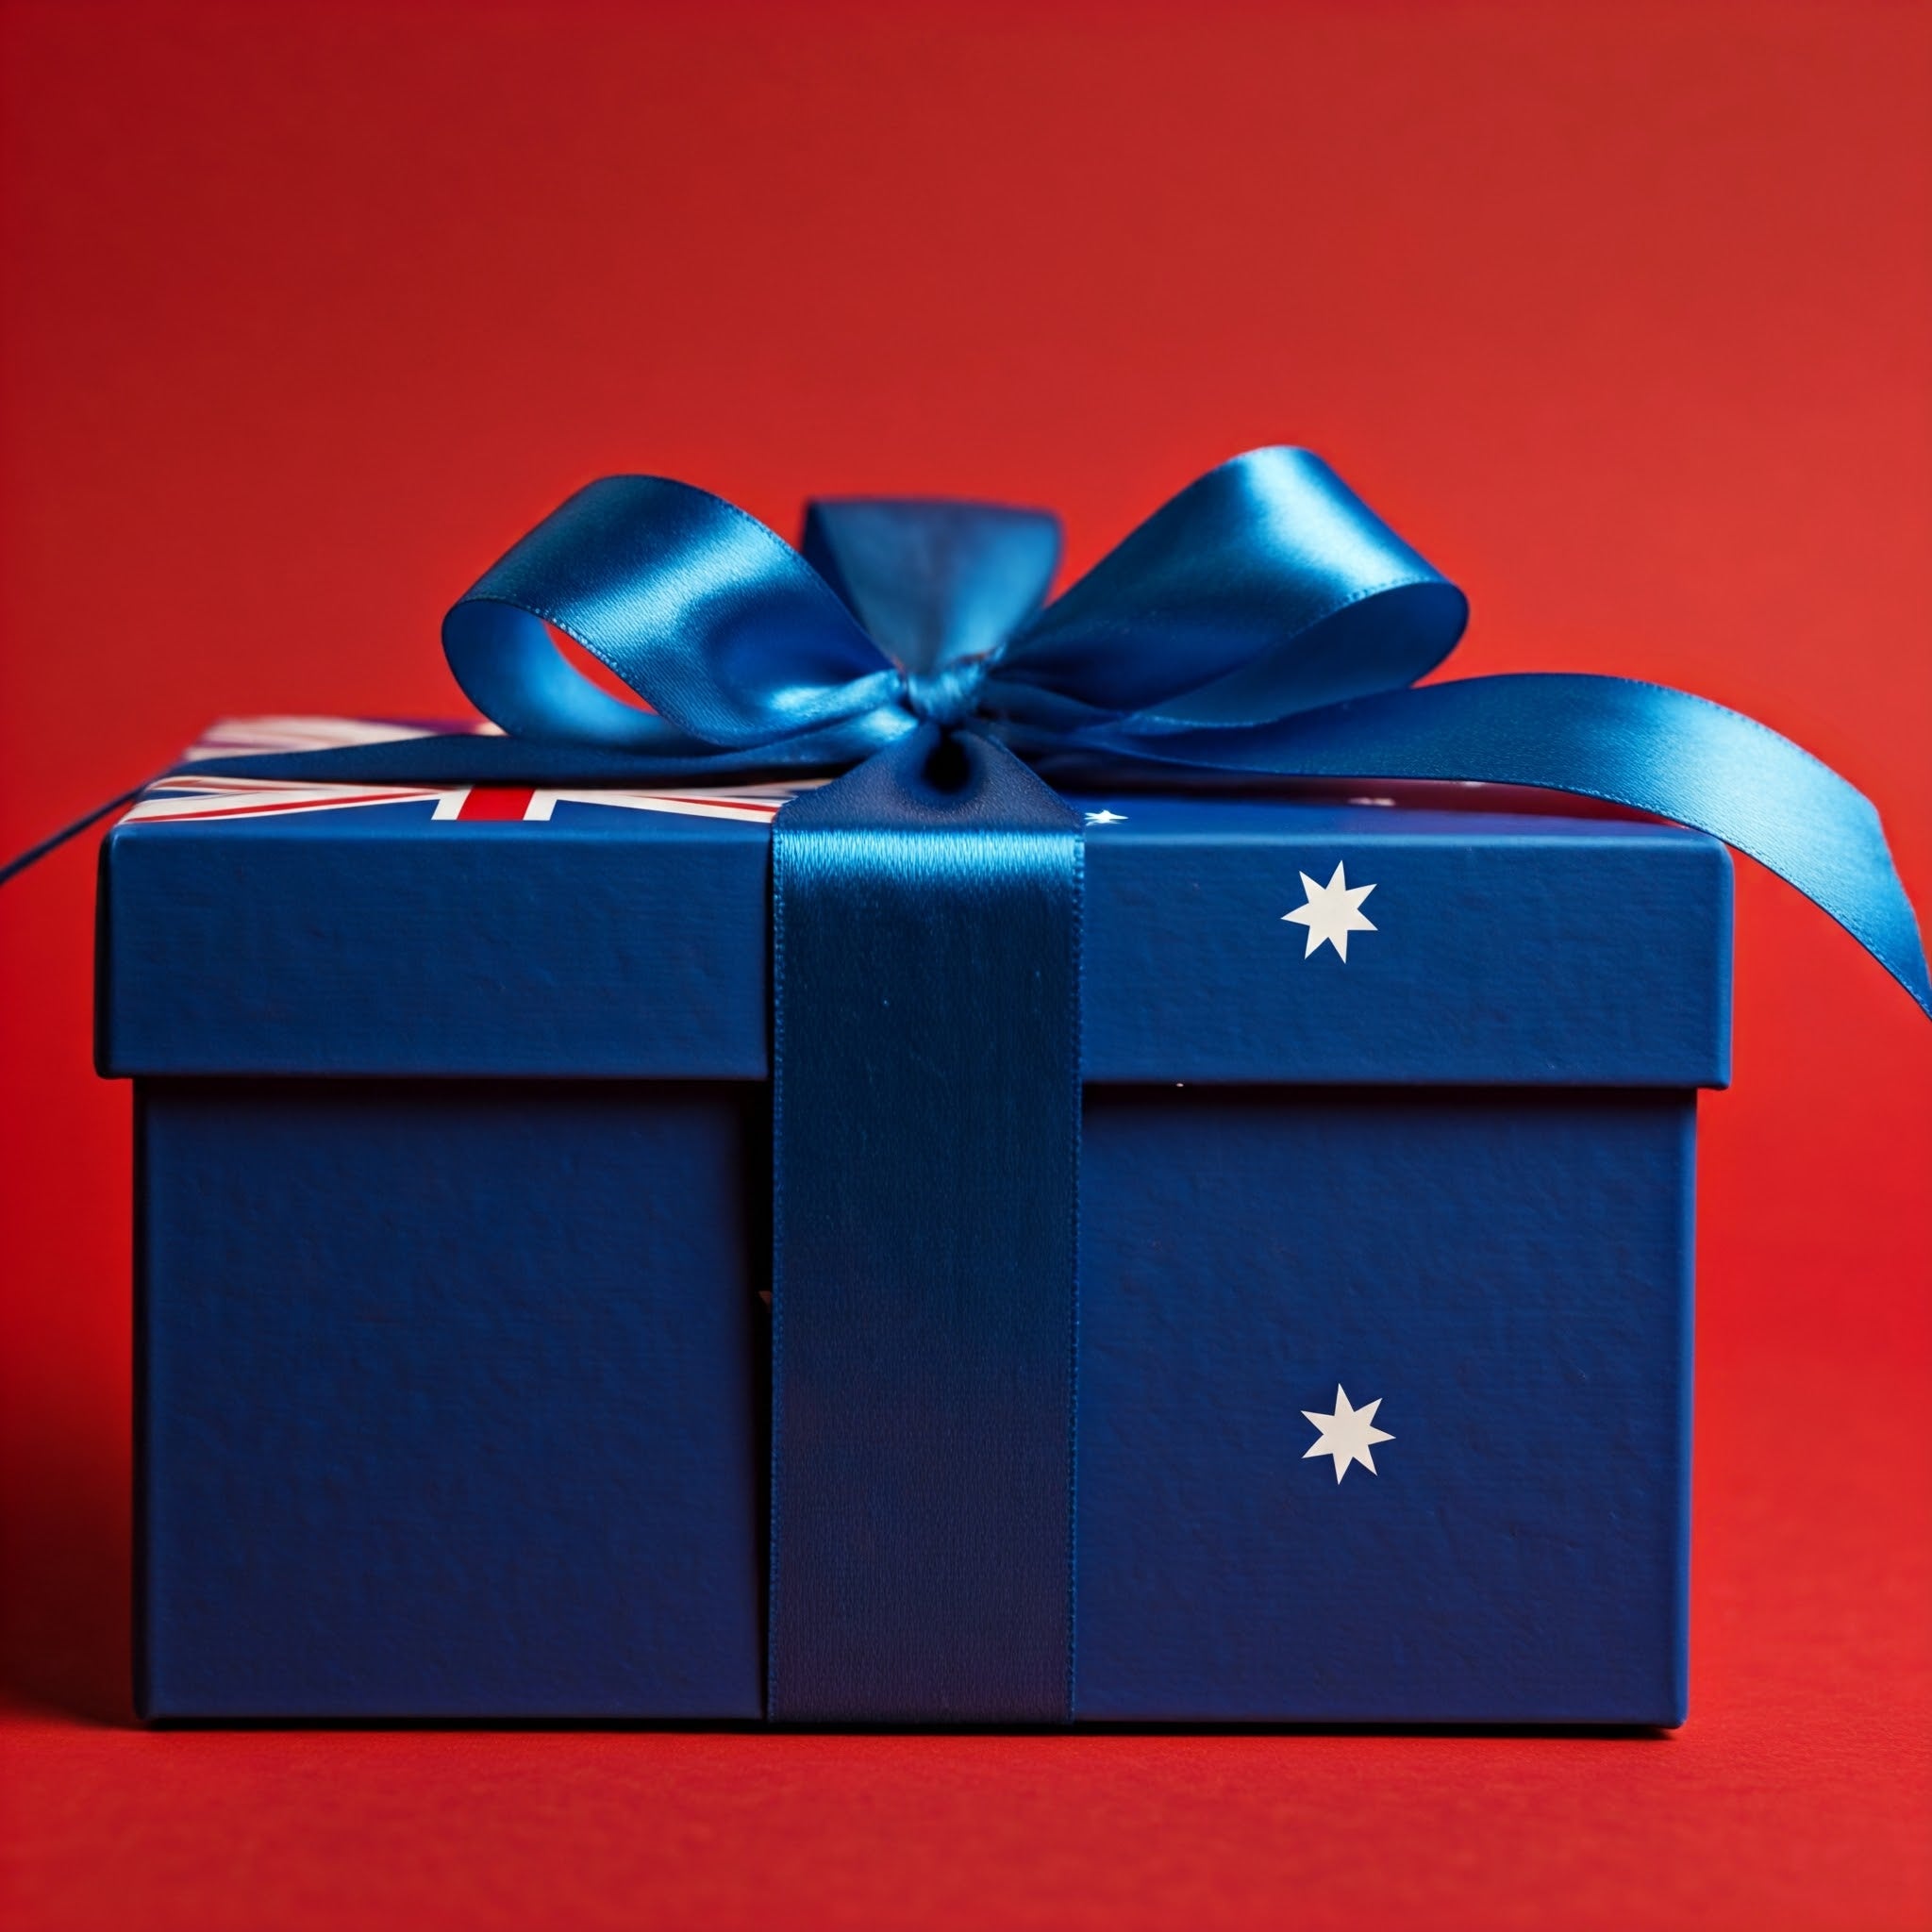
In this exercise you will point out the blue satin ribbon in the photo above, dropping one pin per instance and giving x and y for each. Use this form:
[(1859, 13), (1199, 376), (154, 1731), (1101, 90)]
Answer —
[(926, 1057), (1264, 622)]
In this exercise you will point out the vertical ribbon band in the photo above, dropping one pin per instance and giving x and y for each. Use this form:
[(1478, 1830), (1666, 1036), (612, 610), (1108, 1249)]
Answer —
[(927, 933)]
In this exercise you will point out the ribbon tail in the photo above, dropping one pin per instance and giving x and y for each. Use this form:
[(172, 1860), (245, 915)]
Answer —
[(1660, 751), (463, 758), (54, 840), (476, 758)]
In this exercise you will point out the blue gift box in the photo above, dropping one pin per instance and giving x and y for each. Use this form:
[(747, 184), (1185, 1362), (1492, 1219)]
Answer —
[(452, 1130)]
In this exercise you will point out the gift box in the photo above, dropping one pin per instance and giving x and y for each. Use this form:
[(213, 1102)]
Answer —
[(967, 1158), (453, 1116)]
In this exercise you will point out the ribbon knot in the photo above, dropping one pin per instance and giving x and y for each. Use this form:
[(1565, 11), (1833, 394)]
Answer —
[(946, 697)]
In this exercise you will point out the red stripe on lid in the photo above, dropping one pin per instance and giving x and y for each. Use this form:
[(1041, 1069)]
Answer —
[(495, 802)]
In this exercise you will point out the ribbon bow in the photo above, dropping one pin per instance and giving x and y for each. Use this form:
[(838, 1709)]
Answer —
[(1265, 589)]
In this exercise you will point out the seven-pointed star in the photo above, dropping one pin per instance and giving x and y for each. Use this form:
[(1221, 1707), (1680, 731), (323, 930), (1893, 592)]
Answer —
[(1332, 912), (1347, 1434)]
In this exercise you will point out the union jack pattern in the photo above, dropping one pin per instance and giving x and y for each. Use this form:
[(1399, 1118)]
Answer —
[(187, 797)]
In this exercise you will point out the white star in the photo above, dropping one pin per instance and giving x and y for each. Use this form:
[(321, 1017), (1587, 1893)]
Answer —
[(1332, 912), (1107, 818), (1347, 1434)]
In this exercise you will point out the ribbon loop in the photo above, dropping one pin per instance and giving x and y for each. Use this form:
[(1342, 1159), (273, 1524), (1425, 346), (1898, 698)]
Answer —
[(1266, 586), (729, 636)]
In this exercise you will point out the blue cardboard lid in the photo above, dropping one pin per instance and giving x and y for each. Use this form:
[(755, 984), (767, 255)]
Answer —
[(261, 928)]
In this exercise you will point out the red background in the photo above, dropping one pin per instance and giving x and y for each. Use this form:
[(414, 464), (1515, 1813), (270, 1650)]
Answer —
[(1625, 314)]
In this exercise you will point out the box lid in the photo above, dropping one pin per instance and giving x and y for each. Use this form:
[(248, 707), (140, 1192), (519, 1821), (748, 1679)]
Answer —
[(258, 929)]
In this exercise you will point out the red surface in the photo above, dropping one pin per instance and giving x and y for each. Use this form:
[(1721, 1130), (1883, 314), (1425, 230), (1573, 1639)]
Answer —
[(1625, 314)]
